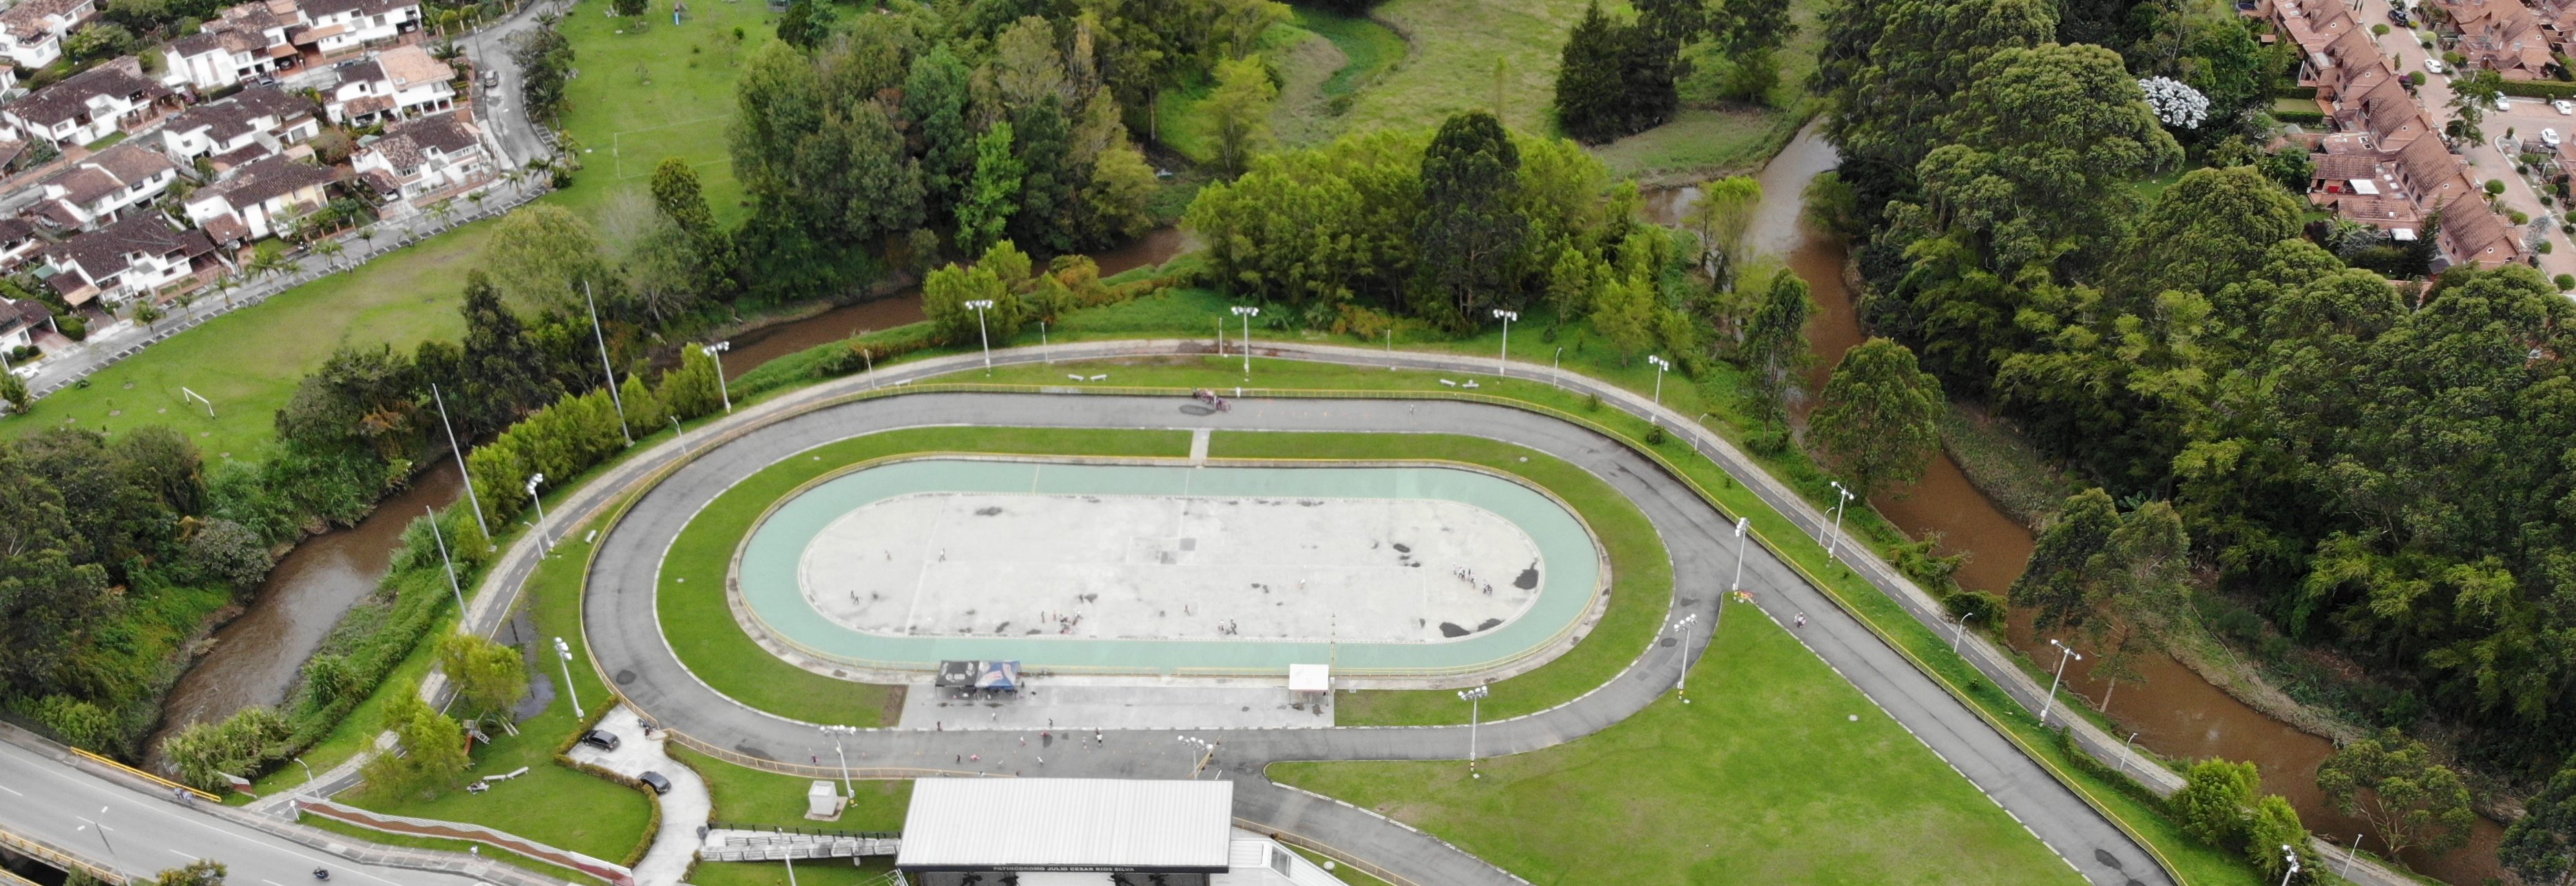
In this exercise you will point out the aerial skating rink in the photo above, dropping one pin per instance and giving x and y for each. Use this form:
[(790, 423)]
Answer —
[(1169, 568), (1162, 567)]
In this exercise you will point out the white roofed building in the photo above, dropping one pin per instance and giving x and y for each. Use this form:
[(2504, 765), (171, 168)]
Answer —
[(1088, 832)]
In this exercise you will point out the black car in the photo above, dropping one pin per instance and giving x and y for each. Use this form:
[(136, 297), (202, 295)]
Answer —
[(655, 781), (601, 739), (2397, 17)]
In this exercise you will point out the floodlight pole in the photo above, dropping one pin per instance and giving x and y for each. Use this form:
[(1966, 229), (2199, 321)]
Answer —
[(717, 351), (1246, 312), (441, 537), (563, 650), (470, 495), (545, 541), (1743, 527), (1502, 363), (836, 732), (600, 336), (1475, 696), (980, 305), (1962, 634), (2065, 653), (1661, 364), (1835, 541)]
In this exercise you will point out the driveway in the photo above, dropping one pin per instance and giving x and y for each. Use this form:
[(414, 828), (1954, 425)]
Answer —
[(684, 810)]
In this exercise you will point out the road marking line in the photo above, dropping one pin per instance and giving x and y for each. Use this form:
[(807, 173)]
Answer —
[(12, 792)]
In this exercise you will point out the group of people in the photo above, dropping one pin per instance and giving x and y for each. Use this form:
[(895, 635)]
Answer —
[(1469, 576)]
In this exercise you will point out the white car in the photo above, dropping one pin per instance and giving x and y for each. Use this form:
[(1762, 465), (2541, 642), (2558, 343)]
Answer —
[(2503, 103), (2564, 106), (2549, 137), (2433, 64)]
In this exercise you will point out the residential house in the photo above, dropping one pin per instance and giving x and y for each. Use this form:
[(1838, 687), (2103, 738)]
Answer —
[(18, 240), (396, 83), (2510, 40), (2312, 24), (245, 42), (254, 123), (20, 319), (423, 157), (133, 257), (264, 197), (31, 33), (338, 28), (99, 187), (2472, 234), (91, 105)]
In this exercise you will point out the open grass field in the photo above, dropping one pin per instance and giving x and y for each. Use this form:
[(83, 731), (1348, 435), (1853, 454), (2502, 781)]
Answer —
[(752, 797), (1778, 772), (249, 361), (661, 90)]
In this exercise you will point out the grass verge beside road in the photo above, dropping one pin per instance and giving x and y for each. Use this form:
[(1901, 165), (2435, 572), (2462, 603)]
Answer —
[(1640, 570), (249, 361), (1779, 772), (661, 90), (699, 622)]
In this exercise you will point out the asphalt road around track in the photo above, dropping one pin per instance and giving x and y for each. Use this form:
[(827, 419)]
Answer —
[(625, 636)]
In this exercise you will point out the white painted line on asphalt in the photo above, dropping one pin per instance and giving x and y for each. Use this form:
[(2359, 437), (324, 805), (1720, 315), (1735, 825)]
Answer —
[(12, 792)]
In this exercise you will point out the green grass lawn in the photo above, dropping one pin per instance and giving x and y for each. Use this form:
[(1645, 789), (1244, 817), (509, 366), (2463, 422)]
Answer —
[(249, 361), (663, 91), (551, 804), (562, 875), (1779, 772), (747, 796), (1642, 574), (699, 623)]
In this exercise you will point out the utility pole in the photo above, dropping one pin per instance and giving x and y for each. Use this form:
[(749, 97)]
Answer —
[(452, 586), (722, 387), (602, 337), (1475, 697), (563, 650), (470, 495)]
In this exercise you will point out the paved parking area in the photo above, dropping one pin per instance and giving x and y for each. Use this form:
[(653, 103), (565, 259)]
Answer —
[(684, 810)]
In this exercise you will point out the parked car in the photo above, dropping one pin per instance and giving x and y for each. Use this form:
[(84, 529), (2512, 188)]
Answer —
[(2564, 106), (2433, 65), (601, 739), (2397, 17), (655, 781), (2503, 103), (2549, 137)]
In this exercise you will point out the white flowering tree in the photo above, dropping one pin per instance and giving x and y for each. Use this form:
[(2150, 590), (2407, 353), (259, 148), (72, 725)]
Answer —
[(2175, 103)]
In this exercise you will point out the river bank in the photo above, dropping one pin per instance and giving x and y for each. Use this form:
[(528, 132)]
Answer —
[(2171, 708)]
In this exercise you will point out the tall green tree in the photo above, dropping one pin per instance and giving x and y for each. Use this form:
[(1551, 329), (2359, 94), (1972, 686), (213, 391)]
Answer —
[(488, 676), (1723, 215), (2216, 802), (805, 25), (2272, 824), (1473, 242), (1591, 96), (2392, 781), (2540, 847), (994, 196), (1045, 220), (541, 256), (1240, 108), (1878, 419), (935, 97), (1775, 352)]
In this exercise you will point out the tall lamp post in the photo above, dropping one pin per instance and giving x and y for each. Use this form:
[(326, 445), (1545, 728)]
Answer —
[(2065, 653), (717, 351), (1682, 686), (98, 825), (441, 537), (1502, 363), (2292, 856), (1843, 496), (544, 540), (1661, 364), (1962, 634), (981, 305), (836, 731), (563, 651), (1475, 696), (1247, 312), (601, 336), (470, 494), (1743, 530)]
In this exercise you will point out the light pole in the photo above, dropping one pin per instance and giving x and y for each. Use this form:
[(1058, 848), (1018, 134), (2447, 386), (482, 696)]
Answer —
[(441, 537), (717, 351), (2292, 856), (601, 336), (470, 495), (563, 651), (836, 732), (1199, 761), (1555, 375), (1844, 497), (2348, 856), (1661, 364), (980, 305), (545, 541), (1502, 363), (1962, 633), (1043, 350), (1247, 312), (2065, 654), (89, 823), (1475, 696), (1743, 530), (1682, 686), (2124, 752), (308, 774)]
